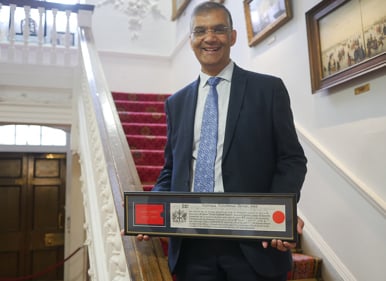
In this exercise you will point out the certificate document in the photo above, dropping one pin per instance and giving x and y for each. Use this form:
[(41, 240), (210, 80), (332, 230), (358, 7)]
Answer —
[(212, 215)]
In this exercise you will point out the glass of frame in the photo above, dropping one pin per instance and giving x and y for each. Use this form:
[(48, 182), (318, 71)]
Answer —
[(211, 215), (178, 6), (263, 17), (345, 40)]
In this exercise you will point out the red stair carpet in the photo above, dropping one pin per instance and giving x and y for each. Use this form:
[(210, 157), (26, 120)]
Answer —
[(144, 123)]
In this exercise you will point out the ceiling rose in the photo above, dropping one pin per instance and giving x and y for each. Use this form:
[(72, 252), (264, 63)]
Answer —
[(136, 11)]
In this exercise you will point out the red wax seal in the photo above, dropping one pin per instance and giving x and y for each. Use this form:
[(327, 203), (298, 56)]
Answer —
[(278, 217)]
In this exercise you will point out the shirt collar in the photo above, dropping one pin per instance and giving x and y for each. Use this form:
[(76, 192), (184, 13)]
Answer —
[(225, 74)]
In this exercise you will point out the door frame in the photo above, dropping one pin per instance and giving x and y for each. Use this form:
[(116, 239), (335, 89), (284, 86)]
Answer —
[(73, 187)]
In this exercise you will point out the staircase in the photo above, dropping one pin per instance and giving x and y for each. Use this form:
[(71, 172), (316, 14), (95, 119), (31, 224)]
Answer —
[(144, 123)]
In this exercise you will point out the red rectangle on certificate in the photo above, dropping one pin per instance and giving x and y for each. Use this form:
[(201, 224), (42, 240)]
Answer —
[(149, 214)]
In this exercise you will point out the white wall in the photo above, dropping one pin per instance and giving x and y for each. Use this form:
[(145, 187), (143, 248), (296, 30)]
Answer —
[(137, 73), (344, 136)]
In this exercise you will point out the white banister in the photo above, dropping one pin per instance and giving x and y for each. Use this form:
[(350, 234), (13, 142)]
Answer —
[(43, 33), (40, 30), (26, 24), (108, 170), (54, 33), (67, 35), (11, 33)]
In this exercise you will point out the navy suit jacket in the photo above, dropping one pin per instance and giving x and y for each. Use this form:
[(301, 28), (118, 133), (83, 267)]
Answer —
[(261, 152)]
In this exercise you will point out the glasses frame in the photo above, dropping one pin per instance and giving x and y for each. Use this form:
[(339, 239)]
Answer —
[(217, 30)]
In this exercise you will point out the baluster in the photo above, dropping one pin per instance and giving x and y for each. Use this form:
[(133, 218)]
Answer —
[(11, 33), (67, 40), (40, 34), (1, 30), (1, 35), (54, 37), (40, 31), (54, 34), (68, 35), (26, 28)]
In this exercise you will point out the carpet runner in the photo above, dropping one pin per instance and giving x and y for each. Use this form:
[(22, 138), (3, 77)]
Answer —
[(144, 123)]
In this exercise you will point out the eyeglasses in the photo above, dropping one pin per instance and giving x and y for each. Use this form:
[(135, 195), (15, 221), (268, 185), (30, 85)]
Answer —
[(217, 30)]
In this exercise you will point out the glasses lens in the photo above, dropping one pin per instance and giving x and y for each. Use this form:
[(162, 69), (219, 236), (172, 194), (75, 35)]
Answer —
[(218, 30)]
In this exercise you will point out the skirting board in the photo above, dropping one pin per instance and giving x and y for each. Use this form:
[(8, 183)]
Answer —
[(328, 255)]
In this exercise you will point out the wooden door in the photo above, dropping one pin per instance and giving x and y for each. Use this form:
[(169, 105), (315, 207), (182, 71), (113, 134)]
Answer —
[(32, 198)]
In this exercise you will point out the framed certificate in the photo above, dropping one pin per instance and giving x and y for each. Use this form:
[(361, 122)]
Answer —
[(211, 215)]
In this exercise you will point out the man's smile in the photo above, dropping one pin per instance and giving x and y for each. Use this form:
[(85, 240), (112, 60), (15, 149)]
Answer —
[(211, 49)]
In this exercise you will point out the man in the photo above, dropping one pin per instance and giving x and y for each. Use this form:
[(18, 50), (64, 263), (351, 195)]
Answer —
[(257, 151)]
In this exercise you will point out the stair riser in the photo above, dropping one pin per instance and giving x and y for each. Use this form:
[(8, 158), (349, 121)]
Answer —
[(304, 266), (144, 129), (137, 117), (146, 142), (139, 96), (143, 157), (148, 173), (133, 106)]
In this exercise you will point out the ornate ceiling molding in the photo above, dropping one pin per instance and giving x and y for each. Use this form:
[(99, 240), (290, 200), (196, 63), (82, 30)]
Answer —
[(136, 11)]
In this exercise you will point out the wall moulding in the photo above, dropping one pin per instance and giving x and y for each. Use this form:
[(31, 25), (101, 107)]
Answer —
[(366, 192)]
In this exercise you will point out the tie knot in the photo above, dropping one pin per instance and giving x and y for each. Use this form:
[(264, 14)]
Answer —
[(213, 81)]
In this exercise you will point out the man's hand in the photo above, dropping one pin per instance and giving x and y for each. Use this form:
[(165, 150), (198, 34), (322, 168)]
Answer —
[(285, 246), (141, 237)]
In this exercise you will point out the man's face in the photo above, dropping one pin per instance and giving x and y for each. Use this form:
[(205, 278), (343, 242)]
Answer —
[(213, 41)]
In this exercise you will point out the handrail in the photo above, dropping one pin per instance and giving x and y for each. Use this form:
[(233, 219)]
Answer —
[(145, 260), (49, 5), (366, 192)]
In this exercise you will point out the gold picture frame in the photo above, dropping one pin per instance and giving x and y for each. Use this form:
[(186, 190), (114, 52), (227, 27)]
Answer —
[(345, 41), (263, 17), (178, 7)]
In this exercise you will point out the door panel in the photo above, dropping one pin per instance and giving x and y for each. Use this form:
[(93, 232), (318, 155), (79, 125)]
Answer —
[(32, 194), (12, 216)]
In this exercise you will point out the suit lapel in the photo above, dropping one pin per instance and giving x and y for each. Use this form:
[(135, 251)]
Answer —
[(236, 98), (187, 121)]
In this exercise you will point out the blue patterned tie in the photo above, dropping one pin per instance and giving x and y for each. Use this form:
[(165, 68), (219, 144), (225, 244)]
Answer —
[(207, 150)]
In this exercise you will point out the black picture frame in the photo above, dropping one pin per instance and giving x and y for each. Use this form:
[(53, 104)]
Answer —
[(212, 215), (33, 21)]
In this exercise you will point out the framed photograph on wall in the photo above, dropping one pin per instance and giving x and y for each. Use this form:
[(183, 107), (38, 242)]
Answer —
[(263, 17), (62, 37), (35, 22), (346, 39), (178, 6)]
